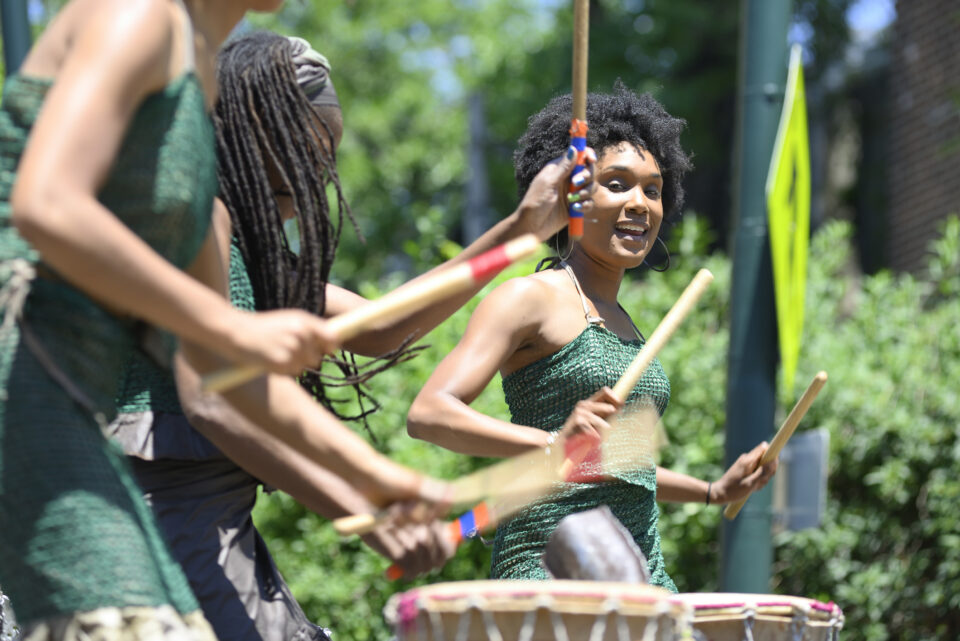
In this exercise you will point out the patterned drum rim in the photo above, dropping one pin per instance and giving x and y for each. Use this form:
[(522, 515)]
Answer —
[(723, 616), (538, 610)]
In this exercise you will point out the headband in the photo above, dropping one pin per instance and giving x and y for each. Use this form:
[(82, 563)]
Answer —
[(313, 73)]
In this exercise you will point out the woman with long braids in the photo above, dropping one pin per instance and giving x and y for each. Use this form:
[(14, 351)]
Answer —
[(107, 179), (561, 340), (278, 124)]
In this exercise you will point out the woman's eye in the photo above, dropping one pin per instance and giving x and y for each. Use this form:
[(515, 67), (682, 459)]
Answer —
[(653, 192), (615, 185)]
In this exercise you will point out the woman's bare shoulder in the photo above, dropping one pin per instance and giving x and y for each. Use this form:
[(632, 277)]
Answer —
[(523, 294), (138, 31)]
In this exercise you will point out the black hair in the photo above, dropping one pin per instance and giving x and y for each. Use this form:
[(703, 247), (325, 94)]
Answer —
[(612, 118), (265, 123)]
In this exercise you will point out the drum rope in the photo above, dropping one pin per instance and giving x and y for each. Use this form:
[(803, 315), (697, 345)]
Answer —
[(559, 629), (493, 632), (836, 624), (435, 622), (799, 622), (749, 615)]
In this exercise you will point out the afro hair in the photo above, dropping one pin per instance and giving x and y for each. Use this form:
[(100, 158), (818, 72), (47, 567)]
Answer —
[(613, 118)]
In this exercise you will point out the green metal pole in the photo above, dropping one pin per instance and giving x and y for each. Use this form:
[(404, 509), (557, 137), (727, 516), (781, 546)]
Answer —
[(747, 550), (16, 33)]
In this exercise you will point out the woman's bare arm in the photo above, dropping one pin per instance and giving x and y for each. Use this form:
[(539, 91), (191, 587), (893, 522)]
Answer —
[(441, 412), (740, 480), (542, 211), (121, 55), (272, 427)]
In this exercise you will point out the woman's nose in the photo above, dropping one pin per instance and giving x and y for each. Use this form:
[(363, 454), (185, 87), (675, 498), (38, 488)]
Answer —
[(636, 201)]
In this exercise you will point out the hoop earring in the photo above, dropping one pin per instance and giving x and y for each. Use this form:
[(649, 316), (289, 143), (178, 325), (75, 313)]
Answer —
[(666, 264)]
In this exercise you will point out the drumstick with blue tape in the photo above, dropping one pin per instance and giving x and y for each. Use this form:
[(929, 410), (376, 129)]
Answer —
[(783, 434), (578, 125), (400, 303)]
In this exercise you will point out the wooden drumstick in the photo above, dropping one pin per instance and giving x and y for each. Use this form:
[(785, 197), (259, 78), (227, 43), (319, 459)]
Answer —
[(783, 434), (578, 125), (659, 337), (399, 303), (532, 473)]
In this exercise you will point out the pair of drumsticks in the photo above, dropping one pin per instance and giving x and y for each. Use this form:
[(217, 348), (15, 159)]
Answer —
[(511, 485)]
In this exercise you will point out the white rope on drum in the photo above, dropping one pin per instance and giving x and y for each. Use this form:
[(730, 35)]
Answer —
[(801, 616), (436, 624), (559, 628), (749, 615), (489, 623), (662, 614)]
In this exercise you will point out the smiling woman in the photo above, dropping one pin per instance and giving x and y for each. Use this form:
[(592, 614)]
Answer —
[(559, 338)]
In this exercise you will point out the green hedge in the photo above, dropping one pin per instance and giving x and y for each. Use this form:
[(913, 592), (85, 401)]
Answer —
[(889, 550)]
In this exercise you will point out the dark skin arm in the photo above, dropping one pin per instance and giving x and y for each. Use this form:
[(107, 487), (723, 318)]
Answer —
[(542, 211), (740, 480), (510, 317)]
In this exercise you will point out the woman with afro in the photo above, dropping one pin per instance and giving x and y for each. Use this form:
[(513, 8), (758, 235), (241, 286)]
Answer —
[(561, 340)]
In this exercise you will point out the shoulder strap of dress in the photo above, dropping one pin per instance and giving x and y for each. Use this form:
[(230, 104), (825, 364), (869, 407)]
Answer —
[(636, 329), (189, 55), (591, 319)]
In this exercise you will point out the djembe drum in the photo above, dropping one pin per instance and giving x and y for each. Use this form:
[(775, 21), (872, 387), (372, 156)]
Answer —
[(762, 617), (538, 611)]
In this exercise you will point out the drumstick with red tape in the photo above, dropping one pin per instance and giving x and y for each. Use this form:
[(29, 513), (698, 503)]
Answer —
[(783, 434), (535, 474), (628, 446), (400, 303), (578, 125)]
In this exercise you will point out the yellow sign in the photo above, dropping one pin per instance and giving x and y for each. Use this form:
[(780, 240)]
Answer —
[(788, 208)]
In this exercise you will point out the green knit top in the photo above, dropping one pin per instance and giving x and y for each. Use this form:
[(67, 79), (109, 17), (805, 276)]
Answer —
[(149, 387), (542, 395), (76, 534)]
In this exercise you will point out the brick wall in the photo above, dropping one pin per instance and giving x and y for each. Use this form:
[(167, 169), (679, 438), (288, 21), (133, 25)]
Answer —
[(923, 168)]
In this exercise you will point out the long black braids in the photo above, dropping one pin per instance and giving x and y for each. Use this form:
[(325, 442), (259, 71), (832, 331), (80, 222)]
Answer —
[(272, 140)]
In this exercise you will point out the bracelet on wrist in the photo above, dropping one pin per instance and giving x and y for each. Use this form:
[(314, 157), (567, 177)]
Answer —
[(709, 485)]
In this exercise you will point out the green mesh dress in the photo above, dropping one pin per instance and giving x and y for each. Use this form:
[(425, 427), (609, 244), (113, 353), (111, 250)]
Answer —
[(76, 535), (542, 395)]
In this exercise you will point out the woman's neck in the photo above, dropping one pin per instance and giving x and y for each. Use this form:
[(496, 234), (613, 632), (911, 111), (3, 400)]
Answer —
[(600, 283), (215, 19)]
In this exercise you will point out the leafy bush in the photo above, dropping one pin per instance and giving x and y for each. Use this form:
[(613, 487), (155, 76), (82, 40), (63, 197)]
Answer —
[(888, 552)]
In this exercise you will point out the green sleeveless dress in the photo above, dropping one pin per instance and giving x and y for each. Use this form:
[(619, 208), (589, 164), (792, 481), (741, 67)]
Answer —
[(76, 535), (542, 395)]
